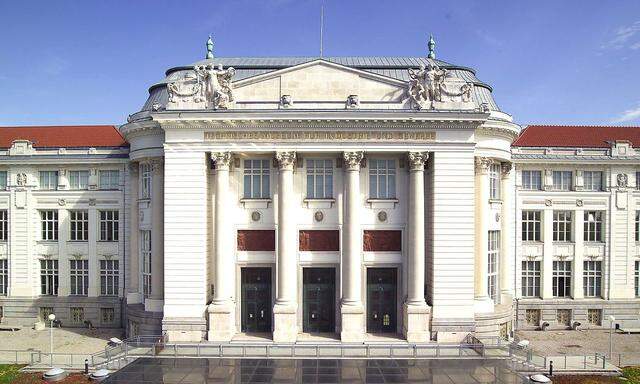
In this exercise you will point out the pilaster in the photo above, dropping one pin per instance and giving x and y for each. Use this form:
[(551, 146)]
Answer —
[(483, 303), (577, 291), (134, 295), (506, 234), (156, 300), (547, 254)]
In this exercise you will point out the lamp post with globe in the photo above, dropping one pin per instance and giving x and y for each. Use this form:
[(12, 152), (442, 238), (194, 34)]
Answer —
[(52, 317), (611, 326)]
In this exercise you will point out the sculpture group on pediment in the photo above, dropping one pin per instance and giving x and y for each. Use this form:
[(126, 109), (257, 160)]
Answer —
[(205, 87), (433, 87)]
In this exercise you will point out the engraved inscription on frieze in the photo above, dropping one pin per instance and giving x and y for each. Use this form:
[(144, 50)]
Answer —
[(320, 136)]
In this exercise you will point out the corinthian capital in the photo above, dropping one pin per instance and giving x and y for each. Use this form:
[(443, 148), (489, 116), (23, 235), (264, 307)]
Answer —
[(352, 160), (417, 160), (483, 164), (286, 159), (222, 159), (505, 168), (157, 165)]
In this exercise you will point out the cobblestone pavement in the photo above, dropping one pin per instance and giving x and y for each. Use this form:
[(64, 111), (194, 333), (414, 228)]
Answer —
[(579, 342), (67, 340)]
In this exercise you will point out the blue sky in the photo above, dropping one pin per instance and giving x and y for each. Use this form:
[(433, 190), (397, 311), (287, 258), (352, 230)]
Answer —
[(91, 62)]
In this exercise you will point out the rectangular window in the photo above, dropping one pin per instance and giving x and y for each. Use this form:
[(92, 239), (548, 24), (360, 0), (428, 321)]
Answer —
[(48, 180), (594, 316), (79, 273), (49, 225), (109, 179), (592, 180), (562, 180), (4, 277), (109, 224), (531, 278), (592, 278), (79, 225), (563, 317), (107, 316), (561, 279), (593, 226), (109, 277), (637, 278), (78, 179), (4, 225), (532, 317), (3, 180), (532, 180), (637, 226), (492, 272), (319, 179), (531, 225), (494, 181), (638, 180), (382, 179), (49, 277), (256, 179), (561, 226), (145, 248), (145, 181), (77, 315)]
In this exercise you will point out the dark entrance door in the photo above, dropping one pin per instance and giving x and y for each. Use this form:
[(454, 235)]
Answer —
[(381, 300), (256, 300), (319, 299)]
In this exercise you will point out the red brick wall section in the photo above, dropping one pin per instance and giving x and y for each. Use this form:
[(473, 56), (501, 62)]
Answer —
[(324, 240), (257, 240), (382, 241)]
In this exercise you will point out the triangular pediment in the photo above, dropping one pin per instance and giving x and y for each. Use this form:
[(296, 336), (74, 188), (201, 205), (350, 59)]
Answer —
[(318, 81)]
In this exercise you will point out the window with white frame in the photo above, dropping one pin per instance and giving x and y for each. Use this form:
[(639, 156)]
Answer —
[(637, 179), (256, 179), (3, 180), (78, 179), (109, 226), (109, 277), (494, 181), (593, 226), (562, 180), (637, 278), (382, 179), (637, 226), (561, 278), (79, 225), (49, 277), (319, 179), (532, 180), (592, 180), (4, 277), (49, 225), (4, 225), (531, 225), (109, 179), (145, 249), (49, 180), (76, 315), (531, 278), (592, 278), (562, 225), (492, 272), (145, 180), (79, 273)]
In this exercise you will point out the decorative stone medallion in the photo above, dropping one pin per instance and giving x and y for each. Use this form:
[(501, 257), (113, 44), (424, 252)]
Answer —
[(255, 216), (497, 217), (382, 216), (318, 216), (623, 180), (62, 202)]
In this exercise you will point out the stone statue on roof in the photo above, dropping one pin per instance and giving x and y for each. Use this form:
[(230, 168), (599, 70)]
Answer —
[(432, 87), (206, 87)]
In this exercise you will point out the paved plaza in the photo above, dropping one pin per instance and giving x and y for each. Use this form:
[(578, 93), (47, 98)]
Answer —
[(191, 371), (581, 342), (65, 340)]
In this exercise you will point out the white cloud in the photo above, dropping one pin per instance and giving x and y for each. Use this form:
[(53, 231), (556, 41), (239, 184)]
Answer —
[(628, 115), (625, 36)]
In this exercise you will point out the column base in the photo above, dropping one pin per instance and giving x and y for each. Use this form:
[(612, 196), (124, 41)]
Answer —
[(353, 330), (483, 305), (222, 322), (184, 330), (134, 298), (285, 329), (506, 298), (415, 324), (153, 305)]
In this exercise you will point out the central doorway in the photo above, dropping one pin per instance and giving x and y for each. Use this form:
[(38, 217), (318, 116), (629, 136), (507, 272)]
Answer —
[(381, 300), (256, 300), (319, 299)]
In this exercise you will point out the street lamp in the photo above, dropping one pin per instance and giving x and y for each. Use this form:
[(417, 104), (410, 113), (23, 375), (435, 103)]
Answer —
[(612, 324), (52, 317)]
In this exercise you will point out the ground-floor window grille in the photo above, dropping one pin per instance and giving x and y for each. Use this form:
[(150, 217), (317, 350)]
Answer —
[(563, 317), (79, 273), (505, 330), (134, 328), (531, 278), (592, 279), (107, 316), (145, 247), (43, 314), (637, 279), (49, 277), (594, 316), (532, 317), (562, 279), (4, 277), (109, 277), (492, 271), (77, 315)]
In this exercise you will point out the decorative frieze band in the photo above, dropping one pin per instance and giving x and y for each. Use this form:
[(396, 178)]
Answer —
[(319, 136)]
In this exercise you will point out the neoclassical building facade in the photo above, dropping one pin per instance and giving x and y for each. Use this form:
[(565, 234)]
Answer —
[(341, 196)]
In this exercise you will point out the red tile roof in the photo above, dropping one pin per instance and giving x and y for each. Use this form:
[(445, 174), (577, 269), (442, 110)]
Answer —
[(576, 136), (64, 136)]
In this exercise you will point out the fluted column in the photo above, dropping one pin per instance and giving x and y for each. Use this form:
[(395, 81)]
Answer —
[(134, 294), (352, 310), (415, 324), (506, 234), (155, 301), (285, 321), (482, 301), (222, 309)]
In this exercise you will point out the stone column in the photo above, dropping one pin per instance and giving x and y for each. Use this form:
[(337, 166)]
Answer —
[(284, 312), (416, 312), (483, 303), (155, 301), (222, 325), (134, 294), (351, 309), (506, 234)]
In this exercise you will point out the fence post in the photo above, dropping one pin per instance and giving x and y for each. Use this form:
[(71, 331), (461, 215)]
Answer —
[(585, 362)]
